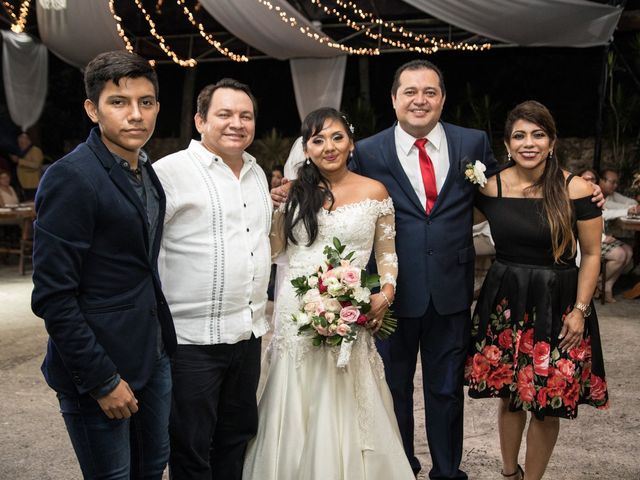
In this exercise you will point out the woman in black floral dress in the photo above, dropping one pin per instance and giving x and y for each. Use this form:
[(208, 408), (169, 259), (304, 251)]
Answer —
[(535, 340)]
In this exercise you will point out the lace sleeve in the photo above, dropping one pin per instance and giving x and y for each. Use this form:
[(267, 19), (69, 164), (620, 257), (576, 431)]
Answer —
[(276, 236), (384, 245)]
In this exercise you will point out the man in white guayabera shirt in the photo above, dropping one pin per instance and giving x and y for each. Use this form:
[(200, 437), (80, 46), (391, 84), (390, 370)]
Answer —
[(214, 266)]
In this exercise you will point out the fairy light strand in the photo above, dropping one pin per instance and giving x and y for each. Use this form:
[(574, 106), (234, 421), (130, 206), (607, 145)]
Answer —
[(20, 20), (119, 29), (208, 37), (435, 43), (322, 39)]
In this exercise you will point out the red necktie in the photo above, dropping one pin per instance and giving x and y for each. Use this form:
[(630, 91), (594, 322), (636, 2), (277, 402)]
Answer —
[(428, 173)]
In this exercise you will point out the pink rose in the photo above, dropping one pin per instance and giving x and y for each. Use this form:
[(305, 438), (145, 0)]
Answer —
[(566, 368), (349, 314), (541, 352), (579, 353), (351, 277), (492, 354), (321, 330), (343, 330), (507, 314), (505, 339), (598, 388), (526, 342)]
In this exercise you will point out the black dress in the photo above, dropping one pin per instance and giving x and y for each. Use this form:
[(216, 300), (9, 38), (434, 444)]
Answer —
[(514, 349)]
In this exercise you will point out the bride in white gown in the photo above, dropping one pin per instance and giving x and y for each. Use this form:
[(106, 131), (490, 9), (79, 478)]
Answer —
[(316, 420)]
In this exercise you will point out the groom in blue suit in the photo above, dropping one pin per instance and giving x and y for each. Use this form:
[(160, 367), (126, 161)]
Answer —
[(434, 215)]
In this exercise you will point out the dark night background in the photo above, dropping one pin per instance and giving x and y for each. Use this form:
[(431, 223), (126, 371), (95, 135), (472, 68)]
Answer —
[(564, 79)]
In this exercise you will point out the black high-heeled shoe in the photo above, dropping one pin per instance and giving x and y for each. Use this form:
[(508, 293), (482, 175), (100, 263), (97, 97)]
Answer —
[(519, 472)]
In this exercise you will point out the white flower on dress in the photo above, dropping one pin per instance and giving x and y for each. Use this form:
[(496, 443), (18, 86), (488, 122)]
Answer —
[(474, 172)]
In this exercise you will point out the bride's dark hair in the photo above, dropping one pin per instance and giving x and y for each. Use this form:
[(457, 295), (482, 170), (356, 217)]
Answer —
[(311, 189)]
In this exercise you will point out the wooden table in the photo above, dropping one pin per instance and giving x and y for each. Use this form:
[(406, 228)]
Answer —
[(632, 225), (22, 216)]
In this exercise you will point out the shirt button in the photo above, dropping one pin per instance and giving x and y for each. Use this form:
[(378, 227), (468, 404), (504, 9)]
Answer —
[(430, 252), (250, 302), (245, 205), (252, 254), (247, 229)]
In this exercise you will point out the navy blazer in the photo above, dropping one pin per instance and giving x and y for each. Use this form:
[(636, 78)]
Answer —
[(95, 284), (435, 251)]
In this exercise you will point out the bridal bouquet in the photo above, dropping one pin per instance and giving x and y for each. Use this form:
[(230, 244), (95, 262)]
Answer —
[(335, 301)]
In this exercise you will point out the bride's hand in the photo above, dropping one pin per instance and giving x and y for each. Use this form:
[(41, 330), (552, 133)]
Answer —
[(379, 306)]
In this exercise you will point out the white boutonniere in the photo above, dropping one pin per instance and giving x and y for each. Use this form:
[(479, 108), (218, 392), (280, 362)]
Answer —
[(474, 172)]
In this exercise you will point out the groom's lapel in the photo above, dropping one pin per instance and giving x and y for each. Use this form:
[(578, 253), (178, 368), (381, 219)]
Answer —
[(390, 156)]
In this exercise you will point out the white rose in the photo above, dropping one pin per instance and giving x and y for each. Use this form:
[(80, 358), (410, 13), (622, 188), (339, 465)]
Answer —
[(312, 295), (336, 289), (313, 282), (478, 170), (361, 294), (301, 318), (332, 305), (329, 317)]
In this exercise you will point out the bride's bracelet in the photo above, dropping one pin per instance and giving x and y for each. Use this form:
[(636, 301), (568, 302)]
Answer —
[(384, 295)]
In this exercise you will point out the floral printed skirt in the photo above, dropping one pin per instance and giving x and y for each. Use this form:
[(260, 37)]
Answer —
[(514, 347)]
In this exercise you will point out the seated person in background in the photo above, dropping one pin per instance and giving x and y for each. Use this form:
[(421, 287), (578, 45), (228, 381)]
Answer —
[(8, 195), (616, 253), (616, 205), (277, 174), (29, 165)]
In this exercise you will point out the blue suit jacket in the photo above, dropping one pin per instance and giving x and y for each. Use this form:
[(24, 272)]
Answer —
[(435, 251), (95, 284)]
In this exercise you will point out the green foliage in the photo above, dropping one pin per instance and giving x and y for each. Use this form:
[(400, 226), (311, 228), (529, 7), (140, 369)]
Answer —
[(271, 149)]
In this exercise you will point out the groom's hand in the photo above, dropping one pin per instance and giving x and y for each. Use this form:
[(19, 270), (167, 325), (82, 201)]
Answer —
[(279, 194)]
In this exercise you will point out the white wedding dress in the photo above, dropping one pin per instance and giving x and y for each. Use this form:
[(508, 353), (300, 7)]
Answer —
[(318, 421)]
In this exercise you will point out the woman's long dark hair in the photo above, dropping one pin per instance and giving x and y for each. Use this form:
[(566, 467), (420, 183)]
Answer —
[(552, 184), (311, 189)]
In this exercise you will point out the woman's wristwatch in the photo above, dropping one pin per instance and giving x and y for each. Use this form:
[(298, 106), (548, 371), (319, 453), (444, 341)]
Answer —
[(584, 308)]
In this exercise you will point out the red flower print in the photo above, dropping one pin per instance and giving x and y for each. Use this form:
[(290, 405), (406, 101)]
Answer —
[(555, 383), (526, 342), (571, 395), (505, 339), (586, 371), (542, 397), (492, 354), (598, 388), (526, 390), (480, 367), (579, 353), (468, 368), (567, 368), (541, 352), (501, 376)]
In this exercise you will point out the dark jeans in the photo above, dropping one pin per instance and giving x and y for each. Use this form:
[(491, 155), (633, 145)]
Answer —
[(133, 448), (214, 411)]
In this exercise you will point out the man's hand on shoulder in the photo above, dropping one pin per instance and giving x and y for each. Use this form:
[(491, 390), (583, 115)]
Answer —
[(279, 194), (598, 197), (120, 402)]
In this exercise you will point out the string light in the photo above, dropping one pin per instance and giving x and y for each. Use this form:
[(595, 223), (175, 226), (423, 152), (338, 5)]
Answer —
[(208, 37), (435, 43), (191, 62), (322, 39), (19, 21), (120, 30)]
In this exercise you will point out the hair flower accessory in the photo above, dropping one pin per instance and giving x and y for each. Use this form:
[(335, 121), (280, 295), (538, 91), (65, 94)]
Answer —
[(474, 172)]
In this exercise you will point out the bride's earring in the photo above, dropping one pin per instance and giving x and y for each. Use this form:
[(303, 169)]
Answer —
[(308, 162), (509, 156)]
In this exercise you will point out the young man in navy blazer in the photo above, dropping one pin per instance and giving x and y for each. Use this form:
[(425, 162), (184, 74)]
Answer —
[(96, 285), (435, 256)]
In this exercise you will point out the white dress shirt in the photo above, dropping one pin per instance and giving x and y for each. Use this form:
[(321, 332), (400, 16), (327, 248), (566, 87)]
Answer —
[(215, 257), (438, 151), (617, 205)]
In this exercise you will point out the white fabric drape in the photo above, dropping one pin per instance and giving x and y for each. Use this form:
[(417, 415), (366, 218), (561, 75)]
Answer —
[(77, 30), (256, 25), (25, 68), (317, 82), (533, 23)]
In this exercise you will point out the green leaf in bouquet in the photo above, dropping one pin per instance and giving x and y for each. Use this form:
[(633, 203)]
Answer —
[(350, 256), (389, 326), (335, 340), (317, 341)]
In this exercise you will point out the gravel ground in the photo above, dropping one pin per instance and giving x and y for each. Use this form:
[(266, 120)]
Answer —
[(598, 445)]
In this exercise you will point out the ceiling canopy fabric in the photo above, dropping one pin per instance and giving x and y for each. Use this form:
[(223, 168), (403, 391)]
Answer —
[(530, 23)]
